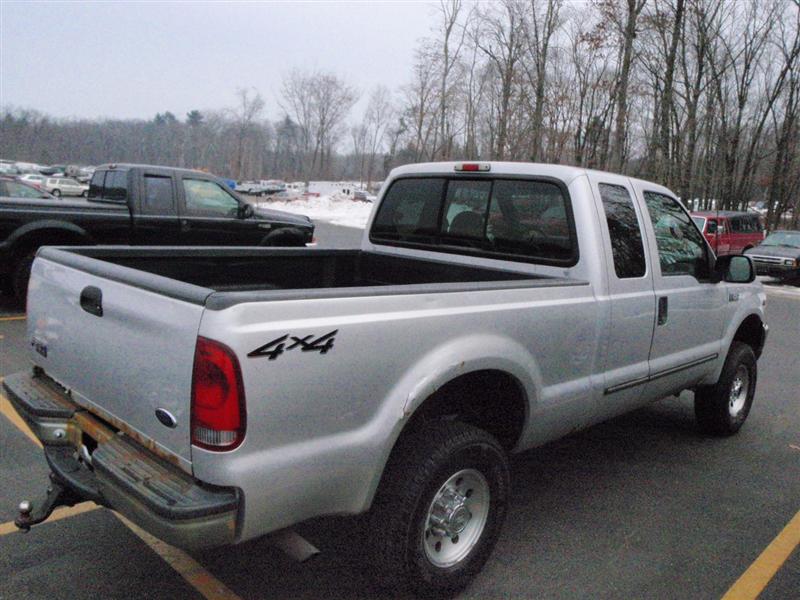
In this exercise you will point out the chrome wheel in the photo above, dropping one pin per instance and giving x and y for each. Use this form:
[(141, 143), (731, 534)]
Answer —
[(740, 387), (456, 518)]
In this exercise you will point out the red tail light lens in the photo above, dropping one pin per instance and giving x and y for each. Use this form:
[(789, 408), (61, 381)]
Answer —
[(218, 409)]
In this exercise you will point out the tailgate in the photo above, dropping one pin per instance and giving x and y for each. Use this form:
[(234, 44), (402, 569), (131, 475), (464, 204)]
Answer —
[(123, 362)]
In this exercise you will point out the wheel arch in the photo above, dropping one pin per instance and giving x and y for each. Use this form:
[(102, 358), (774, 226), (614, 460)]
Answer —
[(493, 363), (44, 233), (751, 332)]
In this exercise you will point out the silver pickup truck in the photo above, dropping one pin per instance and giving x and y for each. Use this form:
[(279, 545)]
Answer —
[(216, 395)]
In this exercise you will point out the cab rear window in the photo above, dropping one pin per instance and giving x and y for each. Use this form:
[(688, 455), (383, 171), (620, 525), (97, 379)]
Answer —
[(531, 219)]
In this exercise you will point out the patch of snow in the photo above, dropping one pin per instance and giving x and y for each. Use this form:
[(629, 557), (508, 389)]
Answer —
[(336, 210)]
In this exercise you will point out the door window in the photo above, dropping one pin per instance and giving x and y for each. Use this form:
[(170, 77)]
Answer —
[(116, 187), (18, 190), (158, 197), (681, 249), (624, 230), (206, 198)]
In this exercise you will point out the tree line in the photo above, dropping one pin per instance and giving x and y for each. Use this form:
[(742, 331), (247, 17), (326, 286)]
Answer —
[(700, 95)]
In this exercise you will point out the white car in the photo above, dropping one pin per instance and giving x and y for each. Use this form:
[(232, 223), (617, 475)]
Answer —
[(65, 186), (33, 179)]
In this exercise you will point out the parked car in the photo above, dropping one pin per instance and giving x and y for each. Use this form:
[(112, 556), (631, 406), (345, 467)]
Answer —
[(216, 395), (53, 170), (65, 186), (36, 181), (13, 188), (141, 205), (249, 187), (778, 255), (730, 232)]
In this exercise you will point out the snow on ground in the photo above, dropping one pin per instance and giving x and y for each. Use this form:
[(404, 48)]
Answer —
[(335, 210)]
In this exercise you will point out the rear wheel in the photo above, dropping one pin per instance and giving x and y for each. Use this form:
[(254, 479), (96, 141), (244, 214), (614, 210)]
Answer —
[(85, 193), (722, 409), (20, 276), (440, 508)]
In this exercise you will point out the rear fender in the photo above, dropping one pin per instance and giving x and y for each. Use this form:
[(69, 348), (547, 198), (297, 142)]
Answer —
[(449, 361), (47, 228)]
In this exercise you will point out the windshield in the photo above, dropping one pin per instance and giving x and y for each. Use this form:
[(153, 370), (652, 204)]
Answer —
[(783, 238), (700, 222)]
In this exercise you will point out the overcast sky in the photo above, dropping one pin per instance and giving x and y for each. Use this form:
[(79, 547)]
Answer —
[(135, 59)]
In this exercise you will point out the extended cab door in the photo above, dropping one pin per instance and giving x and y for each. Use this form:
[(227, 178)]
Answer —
[(631, 296), (211, 216), (690, 309), (156, 217)]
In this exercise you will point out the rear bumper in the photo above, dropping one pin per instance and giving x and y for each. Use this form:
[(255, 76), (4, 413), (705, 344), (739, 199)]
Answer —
[(121, 474)]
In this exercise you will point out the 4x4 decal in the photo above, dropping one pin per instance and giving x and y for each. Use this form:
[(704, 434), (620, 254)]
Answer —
[(278, 346)]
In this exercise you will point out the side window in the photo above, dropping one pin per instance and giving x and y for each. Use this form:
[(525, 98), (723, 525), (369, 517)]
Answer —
[(18, 190), (158, 197), (97, 184), (206, 198), (409, 210), (624, 230), (681, 249)]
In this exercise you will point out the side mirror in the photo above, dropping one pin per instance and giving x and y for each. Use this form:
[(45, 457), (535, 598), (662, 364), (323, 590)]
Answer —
[(245, 211), (734, 268), (711, 227)]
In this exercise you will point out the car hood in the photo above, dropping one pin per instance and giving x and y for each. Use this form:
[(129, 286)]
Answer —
[(267, 214), (779, 251)]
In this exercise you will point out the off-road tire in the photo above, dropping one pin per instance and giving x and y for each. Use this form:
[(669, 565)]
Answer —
[(419, 466), (715, 408)]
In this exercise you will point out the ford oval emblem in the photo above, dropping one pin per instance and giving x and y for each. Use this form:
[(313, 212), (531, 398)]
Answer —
[(166, 418)]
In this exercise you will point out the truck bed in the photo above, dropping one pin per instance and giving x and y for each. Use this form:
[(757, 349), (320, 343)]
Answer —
[(221, 277)]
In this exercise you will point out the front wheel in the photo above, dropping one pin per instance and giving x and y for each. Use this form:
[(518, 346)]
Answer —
[(56, 193), (440, 507), (85, 193), (722, 408)]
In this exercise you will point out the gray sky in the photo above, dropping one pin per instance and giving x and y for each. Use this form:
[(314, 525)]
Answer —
[(134, 59)]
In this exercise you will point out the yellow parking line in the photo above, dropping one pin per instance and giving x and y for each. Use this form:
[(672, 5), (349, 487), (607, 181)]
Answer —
[(187, 567), (14, 318), (755, 579), (192, 572), (9, 413), (59, 513)]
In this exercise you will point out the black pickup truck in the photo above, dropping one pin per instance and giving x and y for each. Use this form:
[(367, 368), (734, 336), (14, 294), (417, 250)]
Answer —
[(139, 205)]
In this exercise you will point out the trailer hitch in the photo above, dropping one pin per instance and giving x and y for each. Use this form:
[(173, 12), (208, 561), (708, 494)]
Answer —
[(33, 513)]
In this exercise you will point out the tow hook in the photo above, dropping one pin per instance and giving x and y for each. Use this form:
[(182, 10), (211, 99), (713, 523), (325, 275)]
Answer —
[(33, 513)]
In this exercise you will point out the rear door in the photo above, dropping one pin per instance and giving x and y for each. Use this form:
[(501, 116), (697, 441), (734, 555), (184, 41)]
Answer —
[(690, 309), (156, 216), (210, 216), (123, 362), (631, 295)]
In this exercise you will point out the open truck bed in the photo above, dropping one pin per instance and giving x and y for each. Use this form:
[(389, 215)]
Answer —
[(221, 277)]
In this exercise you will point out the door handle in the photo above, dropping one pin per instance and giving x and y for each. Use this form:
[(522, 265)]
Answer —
[(185, 226), (663, 310), (92, 300)]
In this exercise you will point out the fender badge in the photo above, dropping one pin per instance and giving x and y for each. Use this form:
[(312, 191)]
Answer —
[(323, 344)]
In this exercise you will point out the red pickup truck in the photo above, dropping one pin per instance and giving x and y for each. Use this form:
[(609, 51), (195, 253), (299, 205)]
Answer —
[(729, 232)]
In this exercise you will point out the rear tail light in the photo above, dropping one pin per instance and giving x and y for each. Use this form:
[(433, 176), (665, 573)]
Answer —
[(218, 408)]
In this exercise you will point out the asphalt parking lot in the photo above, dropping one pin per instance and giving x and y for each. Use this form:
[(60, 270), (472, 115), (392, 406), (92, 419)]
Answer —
[(639, 507)]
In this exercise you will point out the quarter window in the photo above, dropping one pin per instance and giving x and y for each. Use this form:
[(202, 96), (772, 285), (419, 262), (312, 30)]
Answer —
[(624, 230), (681, 249)]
